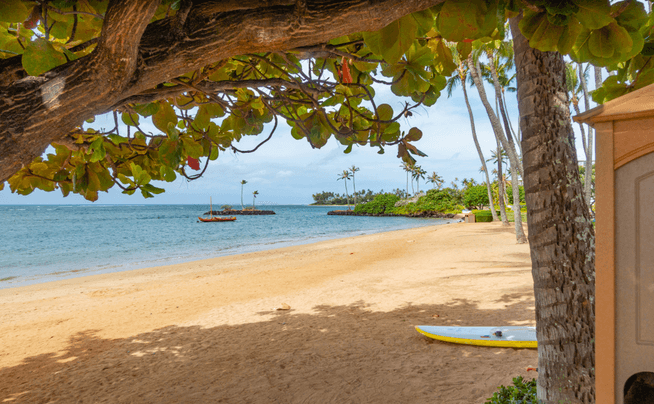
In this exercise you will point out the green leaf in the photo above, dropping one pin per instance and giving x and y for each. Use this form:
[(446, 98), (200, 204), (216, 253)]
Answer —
[(192, 148), (170, 152), (414, 135), (599, 43), (463, 19), (130, 119), (167, 173), (13, 11), (40, 56), (593, 14), (397, 37), (164, 116), (443, 60), (146, 109), (97, 149), (385, 112)]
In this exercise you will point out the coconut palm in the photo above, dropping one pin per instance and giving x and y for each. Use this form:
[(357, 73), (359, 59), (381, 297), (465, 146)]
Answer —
[(436, 179), (243, 182), (407, 167), (418, 173), (254, 196), (451, 84), (494, 50), (345, 176), (353, 170)]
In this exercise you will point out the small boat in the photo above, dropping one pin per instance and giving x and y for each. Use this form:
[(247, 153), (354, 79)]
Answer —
[(217, 219), (213, 218)]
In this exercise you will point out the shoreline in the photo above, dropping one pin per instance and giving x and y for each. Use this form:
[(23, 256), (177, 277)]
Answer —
[(158, 334), (109, 268)]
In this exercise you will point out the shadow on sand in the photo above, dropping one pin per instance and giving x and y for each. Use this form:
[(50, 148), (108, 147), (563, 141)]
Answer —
[(339, 354)]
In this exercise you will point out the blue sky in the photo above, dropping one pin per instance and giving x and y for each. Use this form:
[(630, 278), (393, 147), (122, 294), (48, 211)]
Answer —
[(288, 171)]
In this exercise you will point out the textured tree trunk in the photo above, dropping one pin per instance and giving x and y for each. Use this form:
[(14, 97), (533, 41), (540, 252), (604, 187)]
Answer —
[(500, 185), (133, 56), (481, 154), (561, 236)]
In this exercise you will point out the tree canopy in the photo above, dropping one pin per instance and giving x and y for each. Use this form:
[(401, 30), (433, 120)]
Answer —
[(207, 73)]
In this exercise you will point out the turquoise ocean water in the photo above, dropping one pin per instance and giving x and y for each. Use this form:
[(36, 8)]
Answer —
[(52, 242)]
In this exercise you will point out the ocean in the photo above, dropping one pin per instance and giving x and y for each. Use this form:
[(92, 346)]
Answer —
[(53, 242)]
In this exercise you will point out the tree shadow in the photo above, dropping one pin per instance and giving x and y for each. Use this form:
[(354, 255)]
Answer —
[(340, 354)]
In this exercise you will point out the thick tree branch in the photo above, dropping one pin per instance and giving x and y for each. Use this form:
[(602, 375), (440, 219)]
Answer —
[(39, 110), (36, 111)]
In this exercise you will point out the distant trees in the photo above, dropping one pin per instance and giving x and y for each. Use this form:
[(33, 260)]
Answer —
[(436, 179), (254, 197)]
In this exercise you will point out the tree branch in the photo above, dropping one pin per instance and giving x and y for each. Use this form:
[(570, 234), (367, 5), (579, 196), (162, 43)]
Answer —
[(36, 111)]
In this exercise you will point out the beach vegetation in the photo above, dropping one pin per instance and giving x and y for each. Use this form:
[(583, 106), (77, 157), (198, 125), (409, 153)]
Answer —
[(447, 200), (226, 207), (243, 182), (522, 392), (381, 204), (476, 197)]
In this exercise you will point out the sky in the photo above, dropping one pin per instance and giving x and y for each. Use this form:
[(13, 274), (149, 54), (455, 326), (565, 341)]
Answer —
[(286, 171)]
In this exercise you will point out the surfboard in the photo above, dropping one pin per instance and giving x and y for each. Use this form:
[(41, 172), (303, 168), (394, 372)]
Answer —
[(509, 337)]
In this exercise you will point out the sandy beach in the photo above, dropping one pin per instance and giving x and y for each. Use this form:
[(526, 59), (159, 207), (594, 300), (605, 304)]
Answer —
[(209, 332)]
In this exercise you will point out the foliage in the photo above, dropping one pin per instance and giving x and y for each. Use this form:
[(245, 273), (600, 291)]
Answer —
[(444, 201), (476, 196), (521, 191), (212, 108), (520, 393), (331, 198), (381, 204), (483, 215), (226, 207)]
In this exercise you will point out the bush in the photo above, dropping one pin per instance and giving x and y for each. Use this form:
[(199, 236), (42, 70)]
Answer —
[(483, 215), (443, 201), (521, 191), (520, 393), (476, 196), (383, 203)]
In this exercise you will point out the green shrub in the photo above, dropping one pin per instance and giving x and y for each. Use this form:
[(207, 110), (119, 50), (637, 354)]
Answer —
[(383, 203), (443, 201), (521, 191), (476, 196), (521, 393), (483, 215)]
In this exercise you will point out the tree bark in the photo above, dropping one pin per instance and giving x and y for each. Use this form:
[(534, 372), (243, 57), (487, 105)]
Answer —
[(481, 154), (561, 235), (133, 56), (500, 185)]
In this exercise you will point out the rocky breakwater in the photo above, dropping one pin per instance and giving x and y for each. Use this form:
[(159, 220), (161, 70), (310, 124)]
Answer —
[(230, 212)]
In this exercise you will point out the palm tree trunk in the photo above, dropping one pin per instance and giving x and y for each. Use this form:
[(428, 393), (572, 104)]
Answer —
[(347, 196), (561, 235), (355, 191), (520, 236), (588, 150), (242, 207), (481, 155), (500, 185), (495, 122)]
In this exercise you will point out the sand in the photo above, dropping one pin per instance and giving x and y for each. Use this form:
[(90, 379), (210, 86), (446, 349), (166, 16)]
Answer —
[(208, 332)]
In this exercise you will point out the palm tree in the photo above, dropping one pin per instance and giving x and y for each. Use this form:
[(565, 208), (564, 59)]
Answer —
[(436, 179), (418, 173), (254, 197), (353, 170), (407, 167), (502, 140), (462, 75), (345, 176), (561, 233), (243, 182)]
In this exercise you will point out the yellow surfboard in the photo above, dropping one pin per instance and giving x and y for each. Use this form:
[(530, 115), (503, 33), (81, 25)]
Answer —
[(507, 337)]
